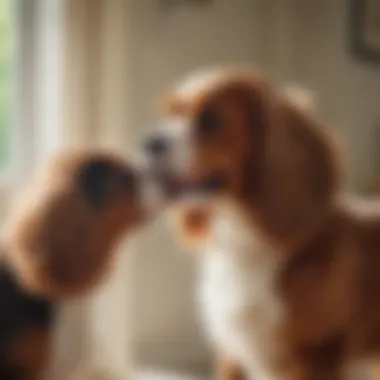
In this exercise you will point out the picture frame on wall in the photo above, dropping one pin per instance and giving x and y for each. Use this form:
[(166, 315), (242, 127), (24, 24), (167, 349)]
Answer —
[(364, 29)]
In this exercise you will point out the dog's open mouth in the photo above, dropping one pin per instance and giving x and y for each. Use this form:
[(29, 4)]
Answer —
[(210, 184), (176, 187)]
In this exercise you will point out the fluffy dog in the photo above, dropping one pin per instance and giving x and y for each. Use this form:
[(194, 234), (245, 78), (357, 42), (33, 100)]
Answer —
[(59, 244), (290, 270)]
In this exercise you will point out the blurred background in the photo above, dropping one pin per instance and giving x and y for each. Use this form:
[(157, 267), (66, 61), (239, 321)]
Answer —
[(90, 72)]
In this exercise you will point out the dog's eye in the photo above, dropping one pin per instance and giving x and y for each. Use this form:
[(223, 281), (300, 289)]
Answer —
[(209, 123)]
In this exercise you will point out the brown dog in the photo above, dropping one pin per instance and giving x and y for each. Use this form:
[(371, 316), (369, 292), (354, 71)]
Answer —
[(60, 243), (290, 283)]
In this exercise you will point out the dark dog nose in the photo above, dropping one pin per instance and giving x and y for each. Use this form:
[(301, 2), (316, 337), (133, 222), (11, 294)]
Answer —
[(101, 180), (157, 146)]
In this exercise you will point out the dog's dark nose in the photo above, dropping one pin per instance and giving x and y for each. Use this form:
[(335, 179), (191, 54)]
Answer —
[(157, 146)]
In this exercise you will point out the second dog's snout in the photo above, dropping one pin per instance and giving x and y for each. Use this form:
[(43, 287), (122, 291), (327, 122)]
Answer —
[(102, 180), (94, 181), (157, 146)]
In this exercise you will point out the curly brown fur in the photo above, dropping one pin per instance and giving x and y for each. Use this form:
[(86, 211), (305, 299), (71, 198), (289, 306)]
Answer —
[(62, 233), (60, 243), (320, 309)]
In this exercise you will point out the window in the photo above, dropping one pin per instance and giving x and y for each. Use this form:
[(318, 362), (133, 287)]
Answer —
[(30, 75), (7, 33), (29, 89)]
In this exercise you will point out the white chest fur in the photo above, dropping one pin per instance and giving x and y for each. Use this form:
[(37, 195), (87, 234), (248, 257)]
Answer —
[(239, 303)]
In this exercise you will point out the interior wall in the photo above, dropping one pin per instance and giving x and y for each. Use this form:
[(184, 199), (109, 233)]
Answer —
[(348, 90), (293, 40)]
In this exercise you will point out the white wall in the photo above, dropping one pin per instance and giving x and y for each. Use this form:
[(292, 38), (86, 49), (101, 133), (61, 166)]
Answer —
[(301, 40)]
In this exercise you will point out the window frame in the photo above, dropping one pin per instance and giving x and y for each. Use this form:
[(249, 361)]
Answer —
[(36, 117)]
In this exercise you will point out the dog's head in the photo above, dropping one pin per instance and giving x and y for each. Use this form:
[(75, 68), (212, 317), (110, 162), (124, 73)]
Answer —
[(232, 134), (62, 232)]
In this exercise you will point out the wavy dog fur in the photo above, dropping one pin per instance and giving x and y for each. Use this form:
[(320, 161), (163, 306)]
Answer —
[(290, 269)]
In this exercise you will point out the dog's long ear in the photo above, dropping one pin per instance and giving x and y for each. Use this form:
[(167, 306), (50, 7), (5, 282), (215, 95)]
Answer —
[(298, 172), (249, 97)]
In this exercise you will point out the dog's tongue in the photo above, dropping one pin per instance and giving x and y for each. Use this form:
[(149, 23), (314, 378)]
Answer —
[(195, 225)]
